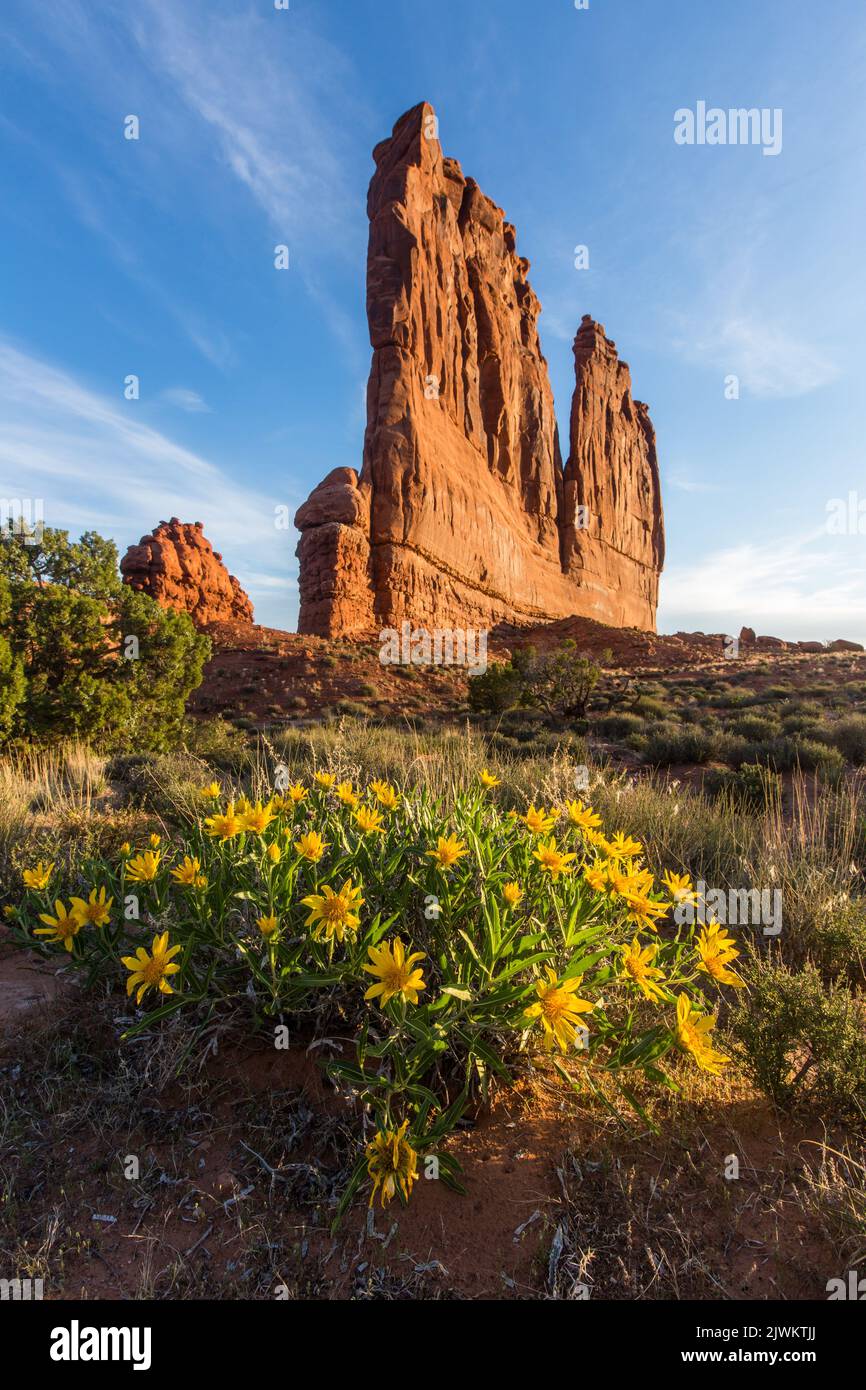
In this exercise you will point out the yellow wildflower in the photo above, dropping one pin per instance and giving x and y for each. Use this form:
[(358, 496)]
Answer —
[(324, 779), (257, 818), (267, 926), (447, 852), (38, 878), (596, 875), (512, 893), (143, 868), (540, 821), (623, 846), (369, 820), (637, 964), (394, 973), (188, 872), (392, 1163), (151, 971), (347, 794), (62, 928), (386, 795), (680, 888), (96, 910), (226, 826), (558, 1009), (582, 817), (552, 860), (333, 914), (693, 1035), (488, 779), (716, 950), (310, 846)]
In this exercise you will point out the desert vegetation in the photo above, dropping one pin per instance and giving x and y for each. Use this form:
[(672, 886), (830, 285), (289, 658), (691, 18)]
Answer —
[(448, 930)]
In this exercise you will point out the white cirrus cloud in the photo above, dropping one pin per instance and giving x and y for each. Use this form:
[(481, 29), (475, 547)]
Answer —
[(185, 399), (98, 465), (806, 587)]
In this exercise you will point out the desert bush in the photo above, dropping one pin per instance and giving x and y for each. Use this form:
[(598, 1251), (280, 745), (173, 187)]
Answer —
[(669, 744), (813, 756), (496, 690), (651, 707), (837, 942), (98, 660), (752, 784), (755, 727), (617, 726), (562, 679), (806, 725), (733, 750), (444, 936), (774, 693), (849, 736), (803, 1040)]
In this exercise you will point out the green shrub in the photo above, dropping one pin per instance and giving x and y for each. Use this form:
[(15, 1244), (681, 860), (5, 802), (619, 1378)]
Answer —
[(217, 740), (617, 726), (813, 756), (562, 679), (11, 668), (803, 724), (652, 708), (674, 744), (498, 689), (755, 727), (803, 1040), (99, 661), (849, 736), (837, 942), (752, 785)]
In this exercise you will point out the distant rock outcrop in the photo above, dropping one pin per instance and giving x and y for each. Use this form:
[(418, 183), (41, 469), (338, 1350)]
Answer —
[(177, 566), (463, 514)]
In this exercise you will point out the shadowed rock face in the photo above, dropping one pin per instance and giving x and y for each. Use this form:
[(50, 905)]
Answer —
[(617, 553), (463, 515), (177, 566)]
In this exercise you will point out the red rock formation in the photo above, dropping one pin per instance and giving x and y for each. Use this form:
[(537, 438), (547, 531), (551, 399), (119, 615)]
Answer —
[(462, 515), (614, 547), (177, 566)]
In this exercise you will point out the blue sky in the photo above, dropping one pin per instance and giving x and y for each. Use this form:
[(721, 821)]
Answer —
[(155, 258)]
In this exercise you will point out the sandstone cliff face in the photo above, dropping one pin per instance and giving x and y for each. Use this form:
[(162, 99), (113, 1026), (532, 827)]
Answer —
[(462, 515), (177, 566), (614, 548)]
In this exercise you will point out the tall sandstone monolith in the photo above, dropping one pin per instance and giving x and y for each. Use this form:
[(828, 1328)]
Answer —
[(463, 515)]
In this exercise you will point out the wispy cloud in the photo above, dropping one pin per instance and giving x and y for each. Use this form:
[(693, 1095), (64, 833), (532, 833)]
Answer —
[(276, 123), (185, 399), (769, 360), (808, 586), (98, 465), (683, 483)]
